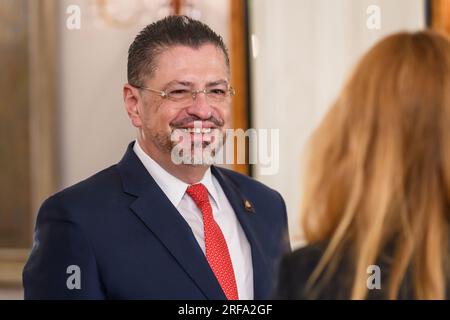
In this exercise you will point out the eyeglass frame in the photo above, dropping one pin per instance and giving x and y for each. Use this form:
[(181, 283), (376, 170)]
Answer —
[(163, 94)]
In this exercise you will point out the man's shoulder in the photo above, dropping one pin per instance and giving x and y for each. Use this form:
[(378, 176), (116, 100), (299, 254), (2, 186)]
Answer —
[(94, 189), (104, 180)]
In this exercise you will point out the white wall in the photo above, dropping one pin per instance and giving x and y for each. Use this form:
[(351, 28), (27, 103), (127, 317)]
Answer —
[(94, 127), (306, 48)]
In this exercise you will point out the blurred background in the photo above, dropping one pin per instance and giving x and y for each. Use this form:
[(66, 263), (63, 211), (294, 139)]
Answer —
[(63, 65)]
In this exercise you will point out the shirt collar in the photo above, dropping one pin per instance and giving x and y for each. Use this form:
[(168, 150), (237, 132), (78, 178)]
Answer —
[(173, 187), (207, 181)]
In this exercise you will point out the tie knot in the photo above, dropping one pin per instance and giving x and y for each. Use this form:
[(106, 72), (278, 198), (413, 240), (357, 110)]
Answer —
[(198, 193)]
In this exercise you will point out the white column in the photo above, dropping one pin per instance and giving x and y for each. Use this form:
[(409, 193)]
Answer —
[(306, 49)]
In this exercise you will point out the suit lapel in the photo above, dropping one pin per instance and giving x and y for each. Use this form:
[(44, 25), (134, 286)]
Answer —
[(246, 217), (163, 219), (155, 210)]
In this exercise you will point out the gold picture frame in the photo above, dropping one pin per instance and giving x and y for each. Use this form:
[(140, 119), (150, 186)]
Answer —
[(440, 15)]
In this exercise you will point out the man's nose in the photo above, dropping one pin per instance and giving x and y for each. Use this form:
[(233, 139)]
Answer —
[(200, 106)]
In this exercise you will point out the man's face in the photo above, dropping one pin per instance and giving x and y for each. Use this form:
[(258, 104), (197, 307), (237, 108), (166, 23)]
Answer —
[(179, 69)]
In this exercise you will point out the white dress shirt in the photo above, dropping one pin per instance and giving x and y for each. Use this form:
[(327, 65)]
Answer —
[(238, 246)]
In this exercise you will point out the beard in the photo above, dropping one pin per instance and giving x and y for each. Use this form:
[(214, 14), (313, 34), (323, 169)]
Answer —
[(163, 141), (187, 148), (198, 149), (189, 152)]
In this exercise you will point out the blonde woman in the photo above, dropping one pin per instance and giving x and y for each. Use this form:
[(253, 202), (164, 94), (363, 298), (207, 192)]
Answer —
[(376, 207)]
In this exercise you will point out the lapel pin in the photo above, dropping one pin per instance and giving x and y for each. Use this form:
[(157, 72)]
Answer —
[(248, 206)]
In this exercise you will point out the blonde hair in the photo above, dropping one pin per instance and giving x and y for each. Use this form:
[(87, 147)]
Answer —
[(378, 173)]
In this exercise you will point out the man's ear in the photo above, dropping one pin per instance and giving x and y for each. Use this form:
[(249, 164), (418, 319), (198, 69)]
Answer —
[(132, 101)]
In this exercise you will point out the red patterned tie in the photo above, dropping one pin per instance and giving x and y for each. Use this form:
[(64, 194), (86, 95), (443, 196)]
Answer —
[(217, 252)]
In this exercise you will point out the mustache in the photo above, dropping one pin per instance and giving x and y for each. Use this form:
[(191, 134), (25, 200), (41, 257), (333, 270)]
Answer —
[(216, 121)]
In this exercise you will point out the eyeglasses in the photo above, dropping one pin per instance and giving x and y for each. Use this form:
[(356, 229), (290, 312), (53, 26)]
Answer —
[(215, 95)]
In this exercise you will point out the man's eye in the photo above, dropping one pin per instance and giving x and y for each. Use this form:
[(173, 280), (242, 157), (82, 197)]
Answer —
[(179, 92), (220, 92)]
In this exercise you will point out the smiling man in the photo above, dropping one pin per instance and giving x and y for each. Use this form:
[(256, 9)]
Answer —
[(150, 227)]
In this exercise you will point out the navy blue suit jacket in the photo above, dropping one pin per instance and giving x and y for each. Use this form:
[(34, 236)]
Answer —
[(130, 242)]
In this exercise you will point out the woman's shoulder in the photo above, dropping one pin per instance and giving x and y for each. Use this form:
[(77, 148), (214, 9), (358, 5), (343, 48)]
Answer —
[(295, 269), (305, 258)]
